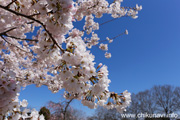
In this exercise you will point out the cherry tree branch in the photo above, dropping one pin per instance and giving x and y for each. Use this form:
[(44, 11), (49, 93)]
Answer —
[(50, 12), (5, 34), (67, 107), (22, 38), (112, 20), (33, 19), (11, 3), (13, 45), (118, 35)]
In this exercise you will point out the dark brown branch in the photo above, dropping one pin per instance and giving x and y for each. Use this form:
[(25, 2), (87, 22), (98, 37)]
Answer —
[(117, 36), (129, 8), (113, 37), (108, 21), (33, 19), (34, 14), (50, 12), (11, 3), (13, 44), (5, 32), (22, 38), (102, 24), (112, 20)]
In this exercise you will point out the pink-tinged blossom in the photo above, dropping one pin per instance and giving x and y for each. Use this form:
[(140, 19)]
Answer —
[(59, 55)]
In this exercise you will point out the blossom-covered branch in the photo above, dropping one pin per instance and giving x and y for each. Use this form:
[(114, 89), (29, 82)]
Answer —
[(31, 18), (55, 60)]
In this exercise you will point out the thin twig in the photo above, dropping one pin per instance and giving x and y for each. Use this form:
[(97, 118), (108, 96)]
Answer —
[(118, 36), (3, 33), (40, 13), (13, 44), (11, 3), (22, 38)]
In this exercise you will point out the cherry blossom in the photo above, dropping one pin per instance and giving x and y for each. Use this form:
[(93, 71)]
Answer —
[(58, 55)]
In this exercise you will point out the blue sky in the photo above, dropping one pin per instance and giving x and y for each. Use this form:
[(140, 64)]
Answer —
[(148, 56)]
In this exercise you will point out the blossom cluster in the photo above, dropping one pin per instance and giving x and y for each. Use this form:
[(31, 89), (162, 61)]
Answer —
[(10, 104), (8, 92), (58, 55)]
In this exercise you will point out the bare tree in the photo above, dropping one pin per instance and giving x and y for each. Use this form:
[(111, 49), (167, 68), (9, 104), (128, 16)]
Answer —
[(167, 98), (142, 102), (104, 114), (177, 95), (134, 107), (146, 102), (63, 111), (159, 99)]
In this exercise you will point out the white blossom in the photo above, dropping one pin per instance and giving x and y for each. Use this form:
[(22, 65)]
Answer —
[(126, 32), (103, 46), (108, 55), (24, 103), (58, 55)]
